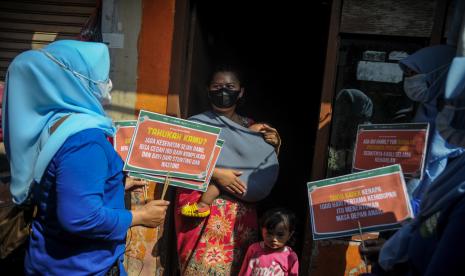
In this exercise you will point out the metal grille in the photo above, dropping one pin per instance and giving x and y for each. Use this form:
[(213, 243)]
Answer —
[(32, 24)]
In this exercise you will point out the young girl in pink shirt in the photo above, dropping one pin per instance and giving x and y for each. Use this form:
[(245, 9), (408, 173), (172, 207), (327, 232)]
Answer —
[(271, 256)]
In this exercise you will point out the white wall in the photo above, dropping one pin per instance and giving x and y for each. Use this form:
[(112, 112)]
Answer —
[(121, 19)]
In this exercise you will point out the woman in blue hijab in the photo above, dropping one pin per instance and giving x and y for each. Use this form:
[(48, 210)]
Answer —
[(432, 244), (426, 72), (55, 134), (425, 77)]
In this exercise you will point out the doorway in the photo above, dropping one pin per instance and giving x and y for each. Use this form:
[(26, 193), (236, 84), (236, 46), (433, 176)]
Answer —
[(280, 50)]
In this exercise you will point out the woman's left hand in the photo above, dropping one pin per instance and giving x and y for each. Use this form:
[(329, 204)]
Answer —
[(134, 184), (271, 136)]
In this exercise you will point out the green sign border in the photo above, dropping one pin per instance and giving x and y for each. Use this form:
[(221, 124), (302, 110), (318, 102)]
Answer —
[(313, 185), (126, 123)]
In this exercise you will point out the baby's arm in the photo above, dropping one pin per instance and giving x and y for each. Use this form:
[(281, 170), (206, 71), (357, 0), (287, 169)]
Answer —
[(210, 194)]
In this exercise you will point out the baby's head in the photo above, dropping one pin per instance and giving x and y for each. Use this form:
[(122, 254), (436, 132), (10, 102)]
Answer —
[(277, 227)]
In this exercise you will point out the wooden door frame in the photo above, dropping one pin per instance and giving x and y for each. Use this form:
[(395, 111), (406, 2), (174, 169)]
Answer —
[(320, 152)]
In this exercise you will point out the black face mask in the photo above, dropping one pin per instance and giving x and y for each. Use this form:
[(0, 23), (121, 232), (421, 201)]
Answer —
[(223, 98)]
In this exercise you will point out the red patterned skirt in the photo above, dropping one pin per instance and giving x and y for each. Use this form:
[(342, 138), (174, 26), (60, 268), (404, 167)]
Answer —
[(215, 245)]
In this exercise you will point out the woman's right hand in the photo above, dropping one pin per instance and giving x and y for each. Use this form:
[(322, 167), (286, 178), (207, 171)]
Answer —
[(151, 214), (228, 180)]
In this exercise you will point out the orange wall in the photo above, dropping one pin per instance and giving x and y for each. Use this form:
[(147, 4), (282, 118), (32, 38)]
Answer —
[(154, 55)]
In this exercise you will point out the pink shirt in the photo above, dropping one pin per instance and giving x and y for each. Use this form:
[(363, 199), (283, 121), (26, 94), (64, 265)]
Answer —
[(260, 260)]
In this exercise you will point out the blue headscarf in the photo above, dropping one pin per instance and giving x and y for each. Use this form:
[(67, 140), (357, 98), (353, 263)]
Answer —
[(449, 184), (433, 61), (41, 87)]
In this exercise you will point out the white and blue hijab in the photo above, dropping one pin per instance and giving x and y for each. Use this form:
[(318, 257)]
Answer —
[(63, 79)]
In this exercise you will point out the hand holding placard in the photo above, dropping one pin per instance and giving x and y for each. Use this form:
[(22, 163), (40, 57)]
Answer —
[(152, 214)]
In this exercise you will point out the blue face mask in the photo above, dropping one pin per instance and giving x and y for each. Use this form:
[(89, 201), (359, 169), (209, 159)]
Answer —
[(416, 88), (424, 87)]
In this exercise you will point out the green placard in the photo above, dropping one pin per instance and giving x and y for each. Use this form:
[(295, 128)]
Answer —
[(187, 184), (377, 199), (164, 145)]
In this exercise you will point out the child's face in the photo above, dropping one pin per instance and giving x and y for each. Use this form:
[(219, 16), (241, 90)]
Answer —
[(277, 238)]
